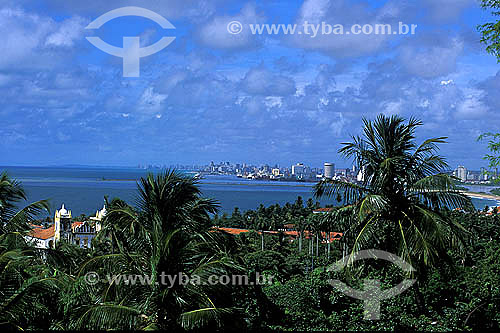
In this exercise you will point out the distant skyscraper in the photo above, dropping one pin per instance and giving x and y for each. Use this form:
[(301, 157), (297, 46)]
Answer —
[(329, 170), (462, 173), (361, 174), (298, 169)]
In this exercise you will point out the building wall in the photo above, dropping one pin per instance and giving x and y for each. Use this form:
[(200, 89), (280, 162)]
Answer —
[(329, 170)]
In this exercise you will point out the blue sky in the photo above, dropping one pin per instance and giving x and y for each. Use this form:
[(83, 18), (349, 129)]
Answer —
[(215, 96)]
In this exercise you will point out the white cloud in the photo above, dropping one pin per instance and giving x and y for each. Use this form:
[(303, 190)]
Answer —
[(67, 32), (261, 81), (431, 57), (345, 13), (215, 33), (472, 106), (443, 11), (171, 9), (35, 41), (150, 101)]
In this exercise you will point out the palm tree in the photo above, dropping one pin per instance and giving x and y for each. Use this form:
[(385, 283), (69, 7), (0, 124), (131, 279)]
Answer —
[(397, 205), (167, 235), (12, 219), (261, 224), (24, 287), (299, 226), (27, 290)]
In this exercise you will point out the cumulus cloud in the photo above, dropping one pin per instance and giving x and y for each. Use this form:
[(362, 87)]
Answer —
[(171, 9), (443, 11), (346, 13), (35, 41), (20, 34), (261, 81), (202, 100), (490, 88), (67, 32), (472, 106), (432, 55), (215, 33)]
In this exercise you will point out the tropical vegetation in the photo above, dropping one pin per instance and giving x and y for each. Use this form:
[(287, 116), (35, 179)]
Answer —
[(406, 204)]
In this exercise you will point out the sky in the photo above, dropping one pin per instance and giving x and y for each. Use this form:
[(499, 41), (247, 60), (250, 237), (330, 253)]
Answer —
[(215, 96)]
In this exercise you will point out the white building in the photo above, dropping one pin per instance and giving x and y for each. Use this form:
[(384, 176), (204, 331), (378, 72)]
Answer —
[(361, 175), (79, 233), (462, 173), (329, 170), (298, 169), (40, 237)]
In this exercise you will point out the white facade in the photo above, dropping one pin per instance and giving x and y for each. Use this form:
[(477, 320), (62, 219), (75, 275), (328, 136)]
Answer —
[(329, 170), (462, 173), (298, 169), (40, 243), (79, 233)]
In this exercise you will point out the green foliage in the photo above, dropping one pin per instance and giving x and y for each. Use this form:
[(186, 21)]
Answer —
[(302, 301), (398, 205), (460, 292), (12, 219), (267, 218), (491, 31), (494, 146)]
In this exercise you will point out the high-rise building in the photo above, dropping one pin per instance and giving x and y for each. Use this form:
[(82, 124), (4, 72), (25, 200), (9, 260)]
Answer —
[(300, 171), (297, 169), (462, 173), (361, 174), (329, 170)]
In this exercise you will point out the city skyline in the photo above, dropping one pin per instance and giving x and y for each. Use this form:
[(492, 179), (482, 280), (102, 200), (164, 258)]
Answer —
[(232, 162)]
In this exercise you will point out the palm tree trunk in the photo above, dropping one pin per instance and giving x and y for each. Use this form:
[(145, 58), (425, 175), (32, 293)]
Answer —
[(262, 240), (328, 255), (300, 241), (312, 252), (317, 245)]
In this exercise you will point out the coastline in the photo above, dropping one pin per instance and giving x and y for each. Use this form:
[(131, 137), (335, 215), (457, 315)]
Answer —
[(481, 195)]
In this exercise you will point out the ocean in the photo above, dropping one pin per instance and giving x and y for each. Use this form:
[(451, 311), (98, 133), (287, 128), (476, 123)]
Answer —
[(82, 189)]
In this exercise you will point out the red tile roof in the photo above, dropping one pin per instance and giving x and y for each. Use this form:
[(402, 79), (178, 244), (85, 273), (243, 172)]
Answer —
[(232, 231), (76, 224), (322, 210), (236, 231), (40, 233)]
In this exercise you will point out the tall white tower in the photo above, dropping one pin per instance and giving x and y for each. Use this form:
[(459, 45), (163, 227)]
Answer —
[(462, 173), (329, 170)]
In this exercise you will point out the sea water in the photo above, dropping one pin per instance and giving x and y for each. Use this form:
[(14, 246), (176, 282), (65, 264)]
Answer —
[(82, 189)]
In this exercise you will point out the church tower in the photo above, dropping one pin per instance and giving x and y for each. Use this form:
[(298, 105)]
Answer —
[(62, 225)]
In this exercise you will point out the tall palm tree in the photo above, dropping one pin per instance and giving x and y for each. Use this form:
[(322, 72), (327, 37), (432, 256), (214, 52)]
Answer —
[(11, 195), (397, 205), (261, 224), (167, 235), (24, 286), (299, 227), (27, 290)]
